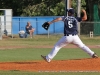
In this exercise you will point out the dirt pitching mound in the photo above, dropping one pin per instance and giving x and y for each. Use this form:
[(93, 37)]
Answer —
[(90, 64)]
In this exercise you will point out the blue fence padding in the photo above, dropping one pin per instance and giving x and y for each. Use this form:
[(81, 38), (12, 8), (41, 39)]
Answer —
[(15, 25), (19, 23), (59, 27)]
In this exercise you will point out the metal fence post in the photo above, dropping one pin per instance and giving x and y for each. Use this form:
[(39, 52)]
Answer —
[(78, 13), (0, 29)]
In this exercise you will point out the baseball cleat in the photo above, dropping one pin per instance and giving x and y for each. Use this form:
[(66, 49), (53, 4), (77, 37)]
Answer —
[(44, 57), (94, 56)]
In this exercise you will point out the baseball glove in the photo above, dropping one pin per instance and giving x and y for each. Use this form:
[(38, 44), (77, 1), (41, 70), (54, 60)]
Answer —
[(46, 25)]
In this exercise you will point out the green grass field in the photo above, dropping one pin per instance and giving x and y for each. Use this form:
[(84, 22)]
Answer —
[(8, 54), (35, 53), (47, 73)]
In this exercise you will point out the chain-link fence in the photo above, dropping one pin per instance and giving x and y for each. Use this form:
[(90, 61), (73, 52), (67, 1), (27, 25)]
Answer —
[(87, 27)]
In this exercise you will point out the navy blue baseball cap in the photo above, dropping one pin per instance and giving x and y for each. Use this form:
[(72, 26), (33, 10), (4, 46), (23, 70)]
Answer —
[(71, 10)]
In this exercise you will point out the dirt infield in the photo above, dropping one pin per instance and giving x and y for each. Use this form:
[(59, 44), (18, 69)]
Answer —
[(89, 64)]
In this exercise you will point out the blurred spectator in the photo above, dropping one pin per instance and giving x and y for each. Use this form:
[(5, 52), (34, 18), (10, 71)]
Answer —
[(29, 29)]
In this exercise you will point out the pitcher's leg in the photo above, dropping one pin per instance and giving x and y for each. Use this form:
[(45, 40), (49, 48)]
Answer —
[(53, 52), (80, 44), (87, 50), (61, 43)]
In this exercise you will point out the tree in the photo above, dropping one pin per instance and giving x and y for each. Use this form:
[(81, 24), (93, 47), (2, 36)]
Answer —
[(36, 7), (74, 4), (17, 5), (45, 8), (31, 7)]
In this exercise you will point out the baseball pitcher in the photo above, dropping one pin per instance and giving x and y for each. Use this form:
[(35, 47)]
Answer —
[(70, 34)]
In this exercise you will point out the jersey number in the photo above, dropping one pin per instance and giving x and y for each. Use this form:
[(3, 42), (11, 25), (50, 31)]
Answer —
[(70, 25)]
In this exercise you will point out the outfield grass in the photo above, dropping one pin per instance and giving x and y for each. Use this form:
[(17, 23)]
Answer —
[(8, 54), (47, 73), (44, 40), (33, 54)]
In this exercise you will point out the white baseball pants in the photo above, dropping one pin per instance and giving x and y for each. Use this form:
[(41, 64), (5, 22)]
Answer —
[(73, 39)]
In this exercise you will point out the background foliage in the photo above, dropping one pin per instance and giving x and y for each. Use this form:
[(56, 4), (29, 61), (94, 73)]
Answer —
[(45, 7), (37, 7)]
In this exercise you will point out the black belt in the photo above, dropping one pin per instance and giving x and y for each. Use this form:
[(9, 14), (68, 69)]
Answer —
[(69, 34)]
